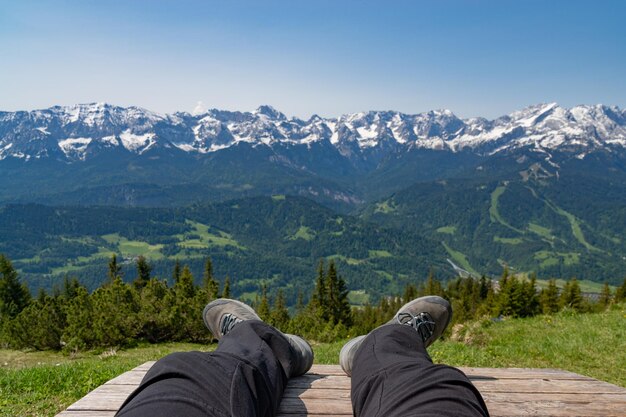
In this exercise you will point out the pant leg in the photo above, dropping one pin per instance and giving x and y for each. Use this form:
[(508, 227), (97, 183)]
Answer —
[(244, 377), (393, 376)]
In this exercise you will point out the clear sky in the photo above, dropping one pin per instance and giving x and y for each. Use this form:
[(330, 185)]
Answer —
[(476, 58)]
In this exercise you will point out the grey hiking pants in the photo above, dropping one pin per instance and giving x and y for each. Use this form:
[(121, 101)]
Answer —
[(247, 373)]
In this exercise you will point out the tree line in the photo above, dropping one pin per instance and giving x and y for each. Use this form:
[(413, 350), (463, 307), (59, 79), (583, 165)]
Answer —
[(120, 314)]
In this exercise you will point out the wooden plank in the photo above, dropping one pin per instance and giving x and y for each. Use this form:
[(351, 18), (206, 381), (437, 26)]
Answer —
[(68, 413), (554, 409), (339, 406), (522, 373), (105, 398), (546, 386), (128, 378), (325, 390), (320, 381), (329, 394)]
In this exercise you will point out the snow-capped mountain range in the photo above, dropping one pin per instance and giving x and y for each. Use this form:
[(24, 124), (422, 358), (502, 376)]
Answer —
[(77, 133)]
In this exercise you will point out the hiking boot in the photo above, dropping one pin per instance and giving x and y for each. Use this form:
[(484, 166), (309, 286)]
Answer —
[(429, 316), (302, 355), (346, 356), (221, 315)]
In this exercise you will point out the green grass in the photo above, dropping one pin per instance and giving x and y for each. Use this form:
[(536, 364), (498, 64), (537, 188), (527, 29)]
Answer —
[(133, 248), (548, 258), (541, 231), (460, 258), (449, 230), (568, 341), (44, 383), (507, 240), (379, 254), (575, 225), (278, 197), (385, 207), (585, 285), (494, 214), (304, 233), (349, 261)]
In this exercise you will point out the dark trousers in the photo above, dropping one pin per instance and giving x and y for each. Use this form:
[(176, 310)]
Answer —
[(244, 377), (392, 376)]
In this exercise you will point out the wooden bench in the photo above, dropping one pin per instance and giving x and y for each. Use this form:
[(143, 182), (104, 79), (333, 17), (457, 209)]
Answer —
[(325, 390)]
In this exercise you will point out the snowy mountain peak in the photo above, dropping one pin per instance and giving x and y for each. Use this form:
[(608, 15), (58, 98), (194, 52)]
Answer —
[(270, 112), (76, 133)]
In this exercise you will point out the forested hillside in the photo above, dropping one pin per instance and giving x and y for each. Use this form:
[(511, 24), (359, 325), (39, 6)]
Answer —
[(556, 227), (272, 240)]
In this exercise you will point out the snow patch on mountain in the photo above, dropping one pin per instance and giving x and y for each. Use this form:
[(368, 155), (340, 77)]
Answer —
[(137, 143), (75, 148)]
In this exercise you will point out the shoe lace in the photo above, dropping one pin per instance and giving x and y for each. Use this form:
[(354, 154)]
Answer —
[(422, 322), (228, 322)]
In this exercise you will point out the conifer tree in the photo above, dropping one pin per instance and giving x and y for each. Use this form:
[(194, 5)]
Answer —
[(78, 334), (620, 293), (605, 296), (572, 296), (300, 302), (279, 316), (410, 292), (14, 296), (432, 286), (318, 304), (337, 297), (176, 271), (70, 287), (226, 289), (143, 272), (115, 270), (154, 314), (264, 305), (211, 286), (549, 298)]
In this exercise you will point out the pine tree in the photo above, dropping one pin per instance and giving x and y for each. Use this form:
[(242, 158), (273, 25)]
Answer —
[(605, 296), (70, 287), (14, 296), (264, 305), (115, 270), (410, 293), (279, 316), (572, 296), (210, 284), (318, 304), (432, 286), (300, 302), (143, 272), (620, 293), (176, 272), (226, 289), (337, 297), (549, 298), (154, 314)]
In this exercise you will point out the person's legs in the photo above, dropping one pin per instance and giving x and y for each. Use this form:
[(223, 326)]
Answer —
[(244, 377), (393, 375)]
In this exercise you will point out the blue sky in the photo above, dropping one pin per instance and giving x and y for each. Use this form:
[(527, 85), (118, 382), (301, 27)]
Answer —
[(476, 58)]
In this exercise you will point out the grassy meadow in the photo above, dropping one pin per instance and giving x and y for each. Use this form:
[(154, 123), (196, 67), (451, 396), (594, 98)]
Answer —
[(44, 383)]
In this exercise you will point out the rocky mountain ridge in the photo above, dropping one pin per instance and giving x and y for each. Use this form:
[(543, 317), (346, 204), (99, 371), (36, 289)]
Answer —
[(80, 132)]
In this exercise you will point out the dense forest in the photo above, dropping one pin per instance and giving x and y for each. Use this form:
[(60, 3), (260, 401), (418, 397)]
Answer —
[(122, 313)]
